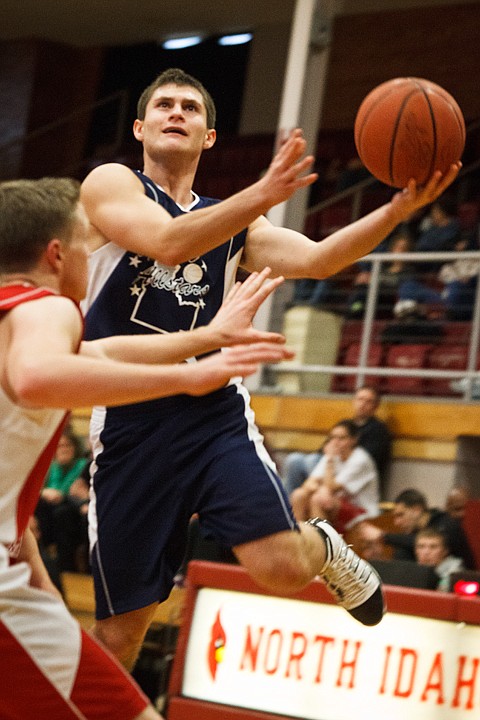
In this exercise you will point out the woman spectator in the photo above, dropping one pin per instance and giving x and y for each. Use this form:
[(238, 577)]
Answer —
[(343, 487), (57, 510)]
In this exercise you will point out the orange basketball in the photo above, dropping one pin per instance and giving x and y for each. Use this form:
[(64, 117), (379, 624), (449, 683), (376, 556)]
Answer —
[(408, 128)]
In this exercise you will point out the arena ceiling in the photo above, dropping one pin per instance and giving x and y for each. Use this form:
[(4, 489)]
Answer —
[(118, 22)]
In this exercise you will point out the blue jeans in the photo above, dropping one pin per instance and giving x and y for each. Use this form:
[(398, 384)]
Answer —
[(416, 290), (297, 468)]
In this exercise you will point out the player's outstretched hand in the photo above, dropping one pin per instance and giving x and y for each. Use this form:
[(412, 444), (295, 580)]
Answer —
[(413, 197), (286, 173), (233, 321), (238, 361)]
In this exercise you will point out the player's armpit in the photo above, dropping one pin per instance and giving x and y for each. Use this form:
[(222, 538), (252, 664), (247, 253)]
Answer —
[(119, 210)]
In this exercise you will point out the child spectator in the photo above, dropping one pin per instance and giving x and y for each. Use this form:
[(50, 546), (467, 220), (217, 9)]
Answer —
[(431, 548)]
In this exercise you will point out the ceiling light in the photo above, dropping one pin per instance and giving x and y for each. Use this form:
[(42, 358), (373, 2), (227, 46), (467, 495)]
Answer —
[(238, 39), (181, 42)]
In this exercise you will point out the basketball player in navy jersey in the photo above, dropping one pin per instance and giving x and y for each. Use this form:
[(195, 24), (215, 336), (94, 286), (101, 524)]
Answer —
[(50, 668), (162, 260)]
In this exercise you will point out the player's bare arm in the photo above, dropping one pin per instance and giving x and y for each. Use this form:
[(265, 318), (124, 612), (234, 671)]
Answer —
[(294, 256), (30, 553), (120, 212), (42, 370), (232, 325)]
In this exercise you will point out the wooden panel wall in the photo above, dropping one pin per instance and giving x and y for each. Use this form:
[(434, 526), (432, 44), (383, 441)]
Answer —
[(438, 43), (40, 83)]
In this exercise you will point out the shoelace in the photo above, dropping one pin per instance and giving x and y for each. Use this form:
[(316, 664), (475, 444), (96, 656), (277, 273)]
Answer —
[(345, 573)]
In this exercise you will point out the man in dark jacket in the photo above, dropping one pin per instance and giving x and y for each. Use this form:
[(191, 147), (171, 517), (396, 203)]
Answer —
[(411, 514)]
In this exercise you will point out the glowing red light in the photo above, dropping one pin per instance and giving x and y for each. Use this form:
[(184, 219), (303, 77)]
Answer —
[(466, 587)]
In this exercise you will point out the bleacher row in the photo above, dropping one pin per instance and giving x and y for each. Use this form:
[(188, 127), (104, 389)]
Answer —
[(449, 352)]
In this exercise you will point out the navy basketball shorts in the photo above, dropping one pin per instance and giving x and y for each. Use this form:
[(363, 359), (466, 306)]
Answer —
[(159, 464)]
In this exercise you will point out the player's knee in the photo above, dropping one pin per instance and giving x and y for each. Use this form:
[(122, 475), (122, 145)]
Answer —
[(122, 642), (287, 575), (277, 563)]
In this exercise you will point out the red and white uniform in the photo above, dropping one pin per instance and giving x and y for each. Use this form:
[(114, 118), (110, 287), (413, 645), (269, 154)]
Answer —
[(50, 668)]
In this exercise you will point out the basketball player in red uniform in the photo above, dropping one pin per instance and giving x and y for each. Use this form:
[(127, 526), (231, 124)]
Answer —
[(51, 669)]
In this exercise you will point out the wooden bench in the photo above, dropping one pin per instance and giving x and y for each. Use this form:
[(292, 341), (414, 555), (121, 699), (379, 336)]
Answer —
[(426, 430)]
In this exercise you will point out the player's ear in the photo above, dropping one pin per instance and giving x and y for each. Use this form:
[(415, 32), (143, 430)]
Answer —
[(210, 137), (54, 253), (138, 129)]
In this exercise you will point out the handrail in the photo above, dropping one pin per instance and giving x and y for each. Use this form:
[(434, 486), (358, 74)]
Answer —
[(355, 193), (362, 369)]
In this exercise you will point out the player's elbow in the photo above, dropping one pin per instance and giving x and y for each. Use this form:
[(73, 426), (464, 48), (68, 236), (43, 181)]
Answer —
[(168, 251), (28, 388)]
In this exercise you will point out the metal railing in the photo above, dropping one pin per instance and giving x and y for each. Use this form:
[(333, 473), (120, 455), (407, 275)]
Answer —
[(363, 370), (355, 195)]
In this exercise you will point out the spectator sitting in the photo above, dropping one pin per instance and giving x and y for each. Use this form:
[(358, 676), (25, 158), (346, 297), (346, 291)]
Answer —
[(456, 501), (392, 274), (411, 514), (343, 486), (72, 525), (374, 436), (431, 548), (411, 325), (353, 173), (317, 293), (460, 284), (55, 509), (456, 300), (440, 230)]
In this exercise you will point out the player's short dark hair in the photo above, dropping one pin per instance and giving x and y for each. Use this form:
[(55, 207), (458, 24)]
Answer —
[(179, 77), (33, 212), (412, 498)]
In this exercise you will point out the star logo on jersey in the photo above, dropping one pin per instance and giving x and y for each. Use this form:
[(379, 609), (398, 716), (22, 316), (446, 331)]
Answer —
[(135, 260), (135, 290), (187, 282)]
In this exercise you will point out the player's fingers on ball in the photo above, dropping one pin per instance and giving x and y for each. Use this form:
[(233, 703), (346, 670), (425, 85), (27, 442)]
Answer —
[(453, 171)]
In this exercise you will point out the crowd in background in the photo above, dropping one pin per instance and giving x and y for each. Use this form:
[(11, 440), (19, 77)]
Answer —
[(345, 482), (430, 290)]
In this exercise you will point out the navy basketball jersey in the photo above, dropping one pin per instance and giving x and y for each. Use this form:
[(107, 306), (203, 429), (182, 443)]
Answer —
[(130, 293)]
